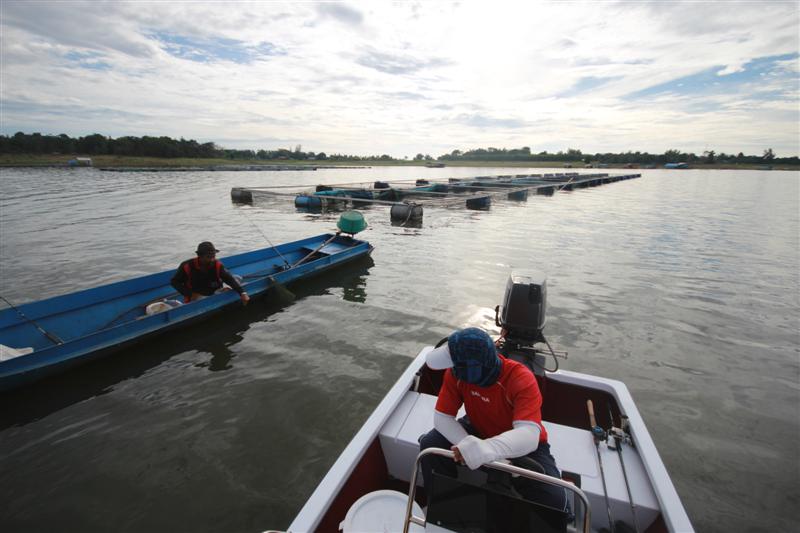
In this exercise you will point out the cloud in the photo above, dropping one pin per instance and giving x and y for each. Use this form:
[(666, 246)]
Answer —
[(340, 12), (587, 84), (392, 63), (486, 122), (75, 118), (724, 79), (358, 77), (76, 25), (87, 60), (215, 48), (405, 95)]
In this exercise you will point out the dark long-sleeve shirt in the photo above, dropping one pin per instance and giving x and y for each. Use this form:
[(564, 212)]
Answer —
[(191, 277)]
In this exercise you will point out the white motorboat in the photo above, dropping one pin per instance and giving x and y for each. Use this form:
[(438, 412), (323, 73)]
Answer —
[(611, 466)]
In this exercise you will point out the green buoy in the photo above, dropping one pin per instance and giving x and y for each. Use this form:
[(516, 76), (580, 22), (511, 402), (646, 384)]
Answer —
[(351, 222)]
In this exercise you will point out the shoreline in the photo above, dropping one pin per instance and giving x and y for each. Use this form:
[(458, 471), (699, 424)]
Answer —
[(155, 164)]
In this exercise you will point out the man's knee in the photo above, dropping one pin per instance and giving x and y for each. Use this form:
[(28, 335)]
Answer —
[(433, 439)]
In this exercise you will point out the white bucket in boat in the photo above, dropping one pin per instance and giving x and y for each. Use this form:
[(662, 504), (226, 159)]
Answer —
[(382, 511), (7, 352), (160, 307)]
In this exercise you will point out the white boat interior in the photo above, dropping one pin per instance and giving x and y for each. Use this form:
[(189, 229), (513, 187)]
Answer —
[(382, 457)]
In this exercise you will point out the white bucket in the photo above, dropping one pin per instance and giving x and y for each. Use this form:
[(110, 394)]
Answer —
[(382, 511)]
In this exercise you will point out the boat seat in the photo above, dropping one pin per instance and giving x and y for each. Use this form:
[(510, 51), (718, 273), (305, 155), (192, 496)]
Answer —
[(305, 250), (572, 448), (460, 504)]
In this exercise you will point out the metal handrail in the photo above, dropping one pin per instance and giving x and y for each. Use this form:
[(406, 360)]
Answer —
[(511, 469)]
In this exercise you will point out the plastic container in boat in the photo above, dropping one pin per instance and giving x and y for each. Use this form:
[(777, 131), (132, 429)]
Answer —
[(382, 510)]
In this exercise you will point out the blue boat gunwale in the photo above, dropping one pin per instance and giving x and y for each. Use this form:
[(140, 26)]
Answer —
[(88, 297), (79, 348)]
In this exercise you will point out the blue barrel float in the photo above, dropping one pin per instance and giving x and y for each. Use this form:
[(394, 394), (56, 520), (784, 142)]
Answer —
[(307, 201), (405, 212), (480, 202), (240, 195), (520, 195)]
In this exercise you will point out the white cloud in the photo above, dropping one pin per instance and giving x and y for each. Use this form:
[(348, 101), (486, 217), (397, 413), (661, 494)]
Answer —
[(401, 78)]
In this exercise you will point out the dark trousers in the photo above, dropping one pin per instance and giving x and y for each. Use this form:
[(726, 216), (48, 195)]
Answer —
[(549, 495)]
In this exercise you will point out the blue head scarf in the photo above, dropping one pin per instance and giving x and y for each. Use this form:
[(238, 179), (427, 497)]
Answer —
[(474, 357)]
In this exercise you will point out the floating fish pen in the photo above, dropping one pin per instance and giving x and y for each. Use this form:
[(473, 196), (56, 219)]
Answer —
[(229, 168), (213, 168), (407, 198)]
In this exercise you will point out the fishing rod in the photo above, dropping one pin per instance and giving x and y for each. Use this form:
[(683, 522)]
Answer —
[(621, 436), (267, 239), (599, 434), (51, 336), (283, 292)]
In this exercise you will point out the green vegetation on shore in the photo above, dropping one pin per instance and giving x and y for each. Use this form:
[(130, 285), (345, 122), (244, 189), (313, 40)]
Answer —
[(36, 150), (116, 161)]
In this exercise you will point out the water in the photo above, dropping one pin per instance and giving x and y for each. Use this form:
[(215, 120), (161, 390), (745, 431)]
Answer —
[(682, 284)]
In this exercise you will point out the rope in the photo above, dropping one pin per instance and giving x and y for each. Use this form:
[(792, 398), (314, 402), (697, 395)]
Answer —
[(50, 336), (567, 183), (410, 212)]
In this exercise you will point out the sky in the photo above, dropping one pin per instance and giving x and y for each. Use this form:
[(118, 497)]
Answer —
[(403, 78)]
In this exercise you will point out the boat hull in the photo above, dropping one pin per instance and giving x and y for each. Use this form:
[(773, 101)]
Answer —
[(95, 322)]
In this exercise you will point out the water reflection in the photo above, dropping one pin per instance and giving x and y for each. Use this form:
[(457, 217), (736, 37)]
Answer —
[(217, 336)]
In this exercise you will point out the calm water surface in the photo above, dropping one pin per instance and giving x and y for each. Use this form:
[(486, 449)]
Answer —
[(682, 284)]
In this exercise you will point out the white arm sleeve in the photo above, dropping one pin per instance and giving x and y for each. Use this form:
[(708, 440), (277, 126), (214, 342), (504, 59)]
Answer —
[(521, 440), (449, 427)]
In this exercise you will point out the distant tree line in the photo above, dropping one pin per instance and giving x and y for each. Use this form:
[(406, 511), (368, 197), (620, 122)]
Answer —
[(97, 144), (670, 156)]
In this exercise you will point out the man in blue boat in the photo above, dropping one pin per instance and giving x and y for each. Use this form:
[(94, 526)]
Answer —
[(204, 275), (504, 415)]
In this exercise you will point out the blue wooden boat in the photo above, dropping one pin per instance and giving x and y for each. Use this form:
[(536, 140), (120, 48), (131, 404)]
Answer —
[(74, 328)]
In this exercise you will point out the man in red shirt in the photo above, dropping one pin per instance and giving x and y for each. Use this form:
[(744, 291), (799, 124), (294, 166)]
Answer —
[(204, 275), (504, 414)]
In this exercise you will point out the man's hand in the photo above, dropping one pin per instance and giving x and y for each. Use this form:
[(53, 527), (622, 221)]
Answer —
[(245, 298), (474, 451), (458, 457)]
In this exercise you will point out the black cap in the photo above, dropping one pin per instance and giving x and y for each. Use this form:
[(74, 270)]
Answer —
[(206, 248)]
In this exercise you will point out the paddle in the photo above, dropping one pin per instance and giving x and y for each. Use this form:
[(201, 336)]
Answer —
[(315, 250)]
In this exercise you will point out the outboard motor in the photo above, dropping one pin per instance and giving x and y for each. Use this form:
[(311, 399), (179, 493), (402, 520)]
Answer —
[(523, 313), (522, 317)]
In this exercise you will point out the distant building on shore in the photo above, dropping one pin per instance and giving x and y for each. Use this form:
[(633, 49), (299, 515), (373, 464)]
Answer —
[(80, 162)]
